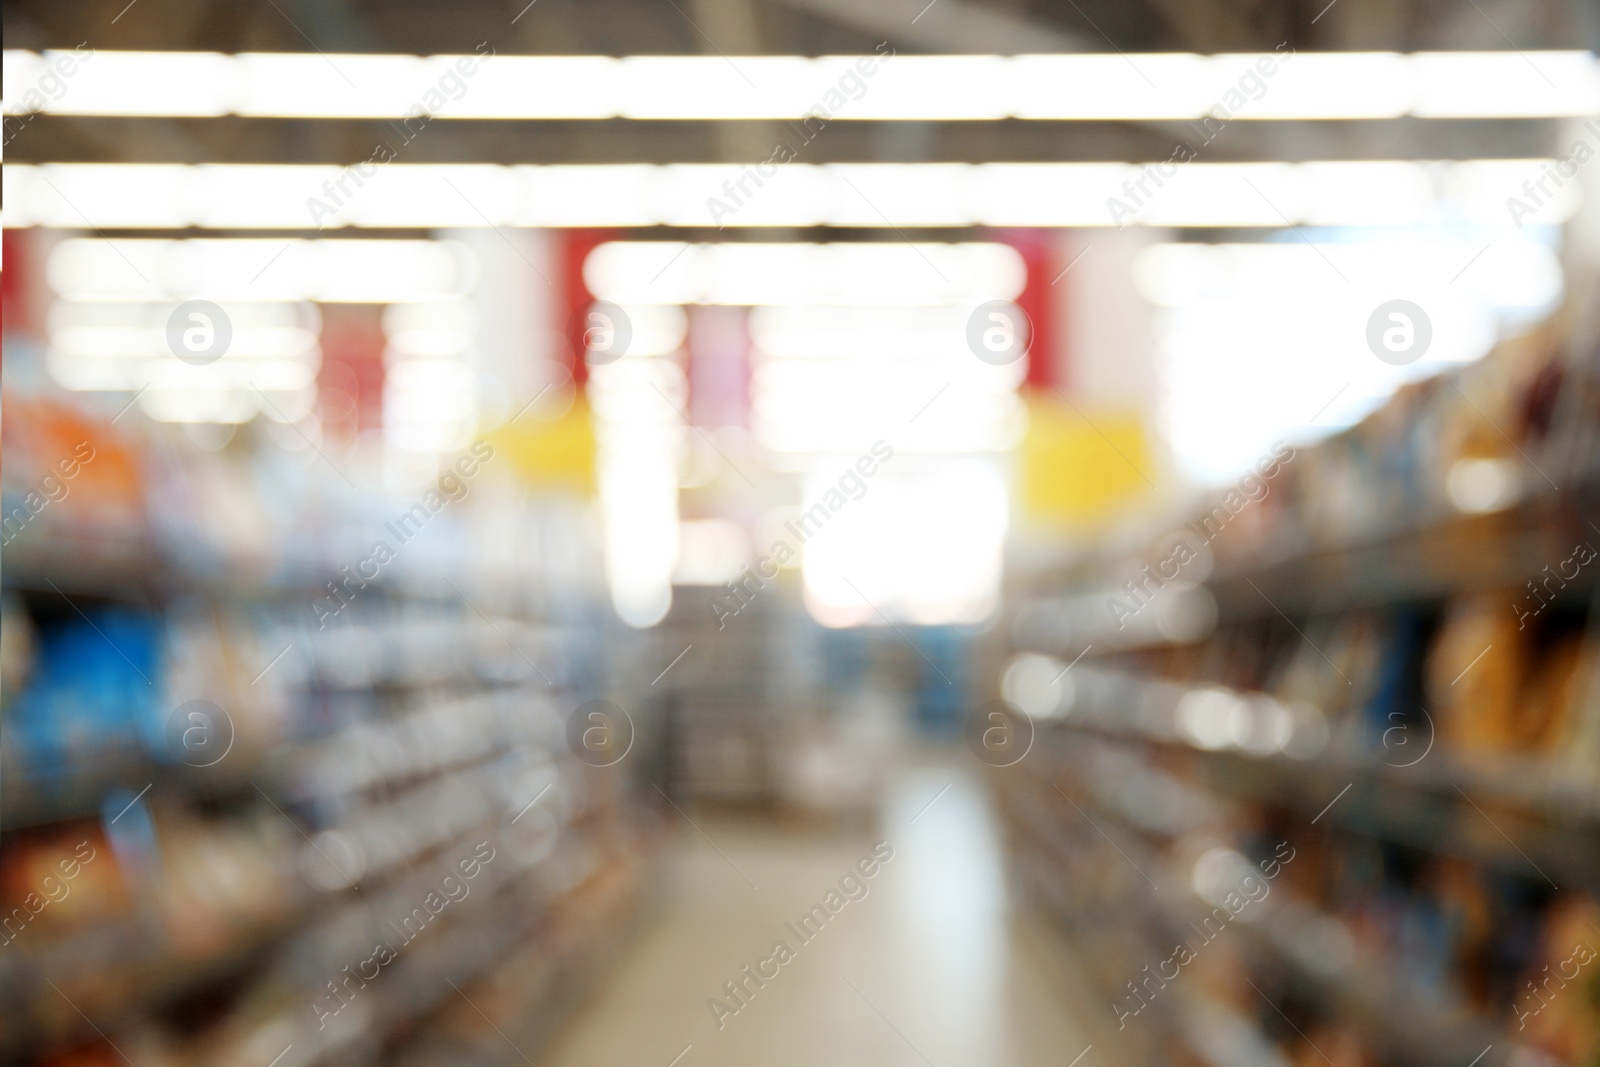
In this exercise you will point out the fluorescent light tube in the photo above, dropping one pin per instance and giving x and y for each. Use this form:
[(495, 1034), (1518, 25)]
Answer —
[(879, 195), (1266, 86)]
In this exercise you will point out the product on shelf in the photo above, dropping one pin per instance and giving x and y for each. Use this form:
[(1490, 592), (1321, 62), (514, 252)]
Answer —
[(1475, 674), (218, 798), (1402, 683)]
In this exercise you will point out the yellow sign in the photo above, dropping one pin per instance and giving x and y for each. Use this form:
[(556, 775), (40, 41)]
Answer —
[(1081, 464), (550, 452)]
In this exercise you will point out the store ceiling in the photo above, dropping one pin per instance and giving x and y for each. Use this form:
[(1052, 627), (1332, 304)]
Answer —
[(802, 27)]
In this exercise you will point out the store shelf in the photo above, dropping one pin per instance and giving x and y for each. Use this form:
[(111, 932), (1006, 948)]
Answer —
[(116, 972), (1055, 868), (1525, 817), (140, 572), (1285, 937), (520, 927), (413, 724), (1411, 565), (1369, 995), (1428, 562), (533, 987)]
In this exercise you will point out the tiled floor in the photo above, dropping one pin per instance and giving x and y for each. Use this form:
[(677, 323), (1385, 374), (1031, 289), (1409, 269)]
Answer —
[(929, 968)]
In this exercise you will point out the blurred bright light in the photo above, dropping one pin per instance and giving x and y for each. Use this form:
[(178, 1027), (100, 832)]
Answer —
[(923, 548), (225, 404), (841, 406), (658, 330), (870, 87), (1482, 485), (344, 270), (687, 87), (843, 273), (430, 405), (1217, 718), (1308, 734), (1510, 274), (441, 328), (120, 345), (1260, 342), (875, 195), (107, 327), (1220, 872), (1036, 685), (639, 436), (842, 333), (1511, 84), (314, 85), (622, 194), (1206, 717), (1156, 86), (710, 552), (634, 394), (1325, 85), (639, 524), (824, 376), (1264, 726), (539, 87), (94, 82), (786, 331)]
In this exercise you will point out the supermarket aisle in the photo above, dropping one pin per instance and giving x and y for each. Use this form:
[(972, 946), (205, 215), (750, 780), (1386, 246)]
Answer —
[(925, 966)]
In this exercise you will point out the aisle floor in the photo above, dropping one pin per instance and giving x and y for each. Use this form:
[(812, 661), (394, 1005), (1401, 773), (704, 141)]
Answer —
[(932, 967)]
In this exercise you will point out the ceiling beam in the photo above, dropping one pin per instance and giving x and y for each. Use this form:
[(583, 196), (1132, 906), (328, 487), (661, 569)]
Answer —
[(1208, 26), (958, 27), (89, 139)]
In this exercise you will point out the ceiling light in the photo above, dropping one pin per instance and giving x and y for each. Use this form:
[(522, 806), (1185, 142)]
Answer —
[(861, 333), (657, 272), (1460, 85), (253, 270), (1312, 85), (92, 82), (882, 195), (1342, 85)]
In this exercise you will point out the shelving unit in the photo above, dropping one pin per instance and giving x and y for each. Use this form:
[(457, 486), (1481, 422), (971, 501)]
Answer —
[(235, 895), (1287, 938), (1310, 696), (1439, 803), (1419, 564)]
